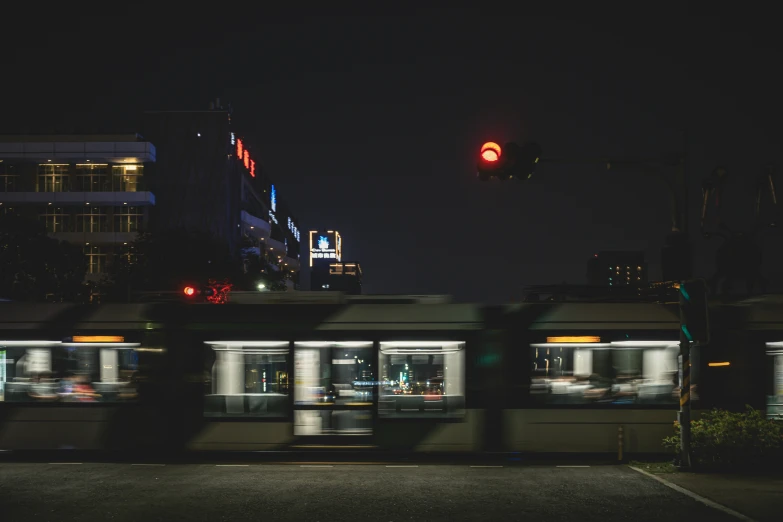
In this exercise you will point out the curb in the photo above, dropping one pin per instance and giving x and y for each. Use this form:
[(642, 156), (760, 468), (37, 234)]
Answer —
[(694, 496)]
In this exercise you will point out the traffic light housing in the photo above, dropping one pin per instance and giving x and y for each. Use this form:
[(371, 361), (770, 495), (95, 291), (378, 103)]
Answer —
[(694, 311), (509, 162)]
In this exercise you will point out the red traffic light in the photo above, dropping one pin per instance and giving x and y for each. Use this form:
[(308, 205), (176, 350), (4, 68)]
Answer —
[(189, 291), (490, 152)]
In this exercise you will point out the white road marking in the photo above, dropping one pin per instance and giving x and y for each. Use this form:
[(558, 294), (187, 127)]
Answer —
[(486, 466), (402, 466), (694, 496), (314, 466)]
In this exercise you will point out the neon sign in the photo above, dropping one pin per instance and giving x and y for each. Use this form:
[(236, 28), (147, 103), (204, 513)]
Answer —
[(323, 246), (293, 229), (233, 138), (244, 156), (273, 199)]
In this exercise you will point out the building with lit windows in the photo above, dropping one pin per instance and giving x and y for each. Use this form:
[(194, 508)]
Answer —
[(614, 269), (328, 272), (211, 179), (191, 171), (90, 190)]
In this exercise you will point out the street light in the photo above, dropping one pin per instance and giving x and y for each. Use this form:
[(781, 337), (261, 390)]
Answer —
[(261, 286)]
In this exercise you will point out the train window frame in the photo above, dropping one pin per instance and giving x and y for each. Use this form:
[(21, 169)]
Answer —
[(50, 382), (546, 400), (323, 407), (254, 406), (774, 401), (450, 405)]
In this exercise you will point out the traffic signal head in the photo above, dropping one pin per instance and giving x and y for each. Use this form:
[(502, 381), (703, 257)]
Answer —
[(490, 152), (512, 161), (694, 312)]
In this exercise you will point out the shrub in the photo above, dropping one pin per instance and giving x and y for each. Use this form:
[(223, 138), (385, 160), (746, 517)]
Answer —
[(723, 439)]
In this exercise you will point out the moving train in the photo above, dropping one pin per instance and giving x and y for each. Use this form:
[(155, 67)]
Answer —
[(413, 373)]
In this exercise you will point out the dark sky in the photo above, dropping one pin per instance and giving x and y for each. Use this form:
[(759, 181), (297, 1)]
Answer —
[(370, 123)]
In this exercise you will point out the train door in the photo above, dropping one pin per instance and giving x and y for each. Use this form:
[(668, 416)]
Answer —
[(334, 389)]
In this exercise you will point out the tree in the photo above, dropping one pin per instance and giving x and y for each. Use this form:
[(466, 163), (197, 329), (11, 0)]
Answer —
[(164, 261), (35, 267)]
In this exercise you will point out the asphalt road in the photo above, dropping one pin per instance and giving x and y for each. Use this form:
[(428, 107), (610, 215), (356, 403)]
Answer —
[(340, 492)]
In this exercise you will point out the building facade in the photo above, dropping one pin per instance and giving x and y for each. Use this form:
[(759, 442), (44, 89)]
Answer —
[(212, 180), (89, 190), (328, 272), (191, 172), (612, 269)]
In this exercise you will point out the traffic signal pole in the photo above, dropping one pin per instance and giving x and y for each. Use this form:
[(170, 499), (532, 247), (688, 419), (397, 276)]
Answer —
[(678, 189)]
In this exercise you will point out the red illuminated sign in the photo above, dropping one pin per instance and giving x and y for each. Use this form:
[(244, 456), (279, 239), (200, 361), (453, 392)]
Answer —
[(244, 156)]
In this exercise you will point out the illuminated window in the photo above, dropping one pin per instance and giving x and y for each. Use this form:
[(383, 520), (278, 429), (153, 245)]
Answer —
[(128, 254), (92, 219), (605, 374), (53, 178), (55, 219), (422, 379), (9, 180), (92, 177), (128, 219), (96, 259), (54, 373), (247, 379), (338, 377), (126, 178)]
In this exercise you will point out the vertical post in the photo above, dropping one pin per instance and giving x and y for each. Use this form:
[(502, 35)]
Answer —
[(685, 403), (619, 443)]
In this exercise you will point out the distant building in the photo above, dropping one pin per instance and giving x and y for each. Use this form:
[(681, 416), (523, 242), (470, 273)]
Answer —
[(210, 180), (328, 272), (614, 269)]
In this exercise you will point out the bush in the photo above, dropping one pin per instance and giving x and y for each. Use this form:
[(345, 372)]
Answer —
[(724, 440)]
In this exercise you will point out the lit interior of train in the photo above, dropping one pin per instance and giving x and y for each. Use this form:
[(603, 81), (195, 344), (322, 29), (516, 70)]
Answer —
[(338, 386)]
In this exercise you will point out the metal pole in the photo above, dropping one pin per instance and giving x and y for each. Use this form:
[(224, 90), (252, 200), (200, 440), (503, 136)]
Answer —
[(685, 403), (685, 345)]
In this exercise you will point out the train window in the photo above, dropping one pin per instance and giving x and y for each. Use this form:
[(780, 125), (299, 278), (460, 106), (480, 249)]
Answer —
[(422, 379), (775, 401), (247, 379), (51, 371), (339, 379), (628, 372)]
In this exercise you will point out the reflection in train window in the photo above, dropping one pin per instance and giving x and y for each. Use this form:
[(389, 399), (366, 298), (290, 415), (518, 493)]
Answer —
[(52, 371), (422, 379), (775, 400), (628, 372), (338, 378), (247, 379)]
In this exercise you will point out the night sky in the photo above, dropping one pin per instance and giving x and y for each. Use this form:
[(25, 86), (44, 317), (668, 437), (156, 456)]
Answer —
[(371, 124)]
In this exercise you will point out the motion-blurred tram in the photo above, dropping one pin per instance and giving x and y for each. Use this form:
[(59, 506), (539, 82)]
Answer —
[(417, 373)]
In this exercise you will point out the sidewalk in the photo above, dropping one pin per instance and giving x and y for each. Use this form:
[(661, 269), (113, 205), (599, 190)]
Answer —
[(759, 497)]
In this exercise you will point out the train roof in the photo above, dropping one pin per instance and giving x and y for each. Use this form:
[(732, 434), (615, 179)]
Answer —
[(606, 316), (303, 317)]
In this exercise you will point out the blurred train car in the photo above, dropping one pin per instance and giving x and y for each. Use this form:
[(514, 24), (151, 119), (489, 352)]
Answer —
[(408, 373)]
